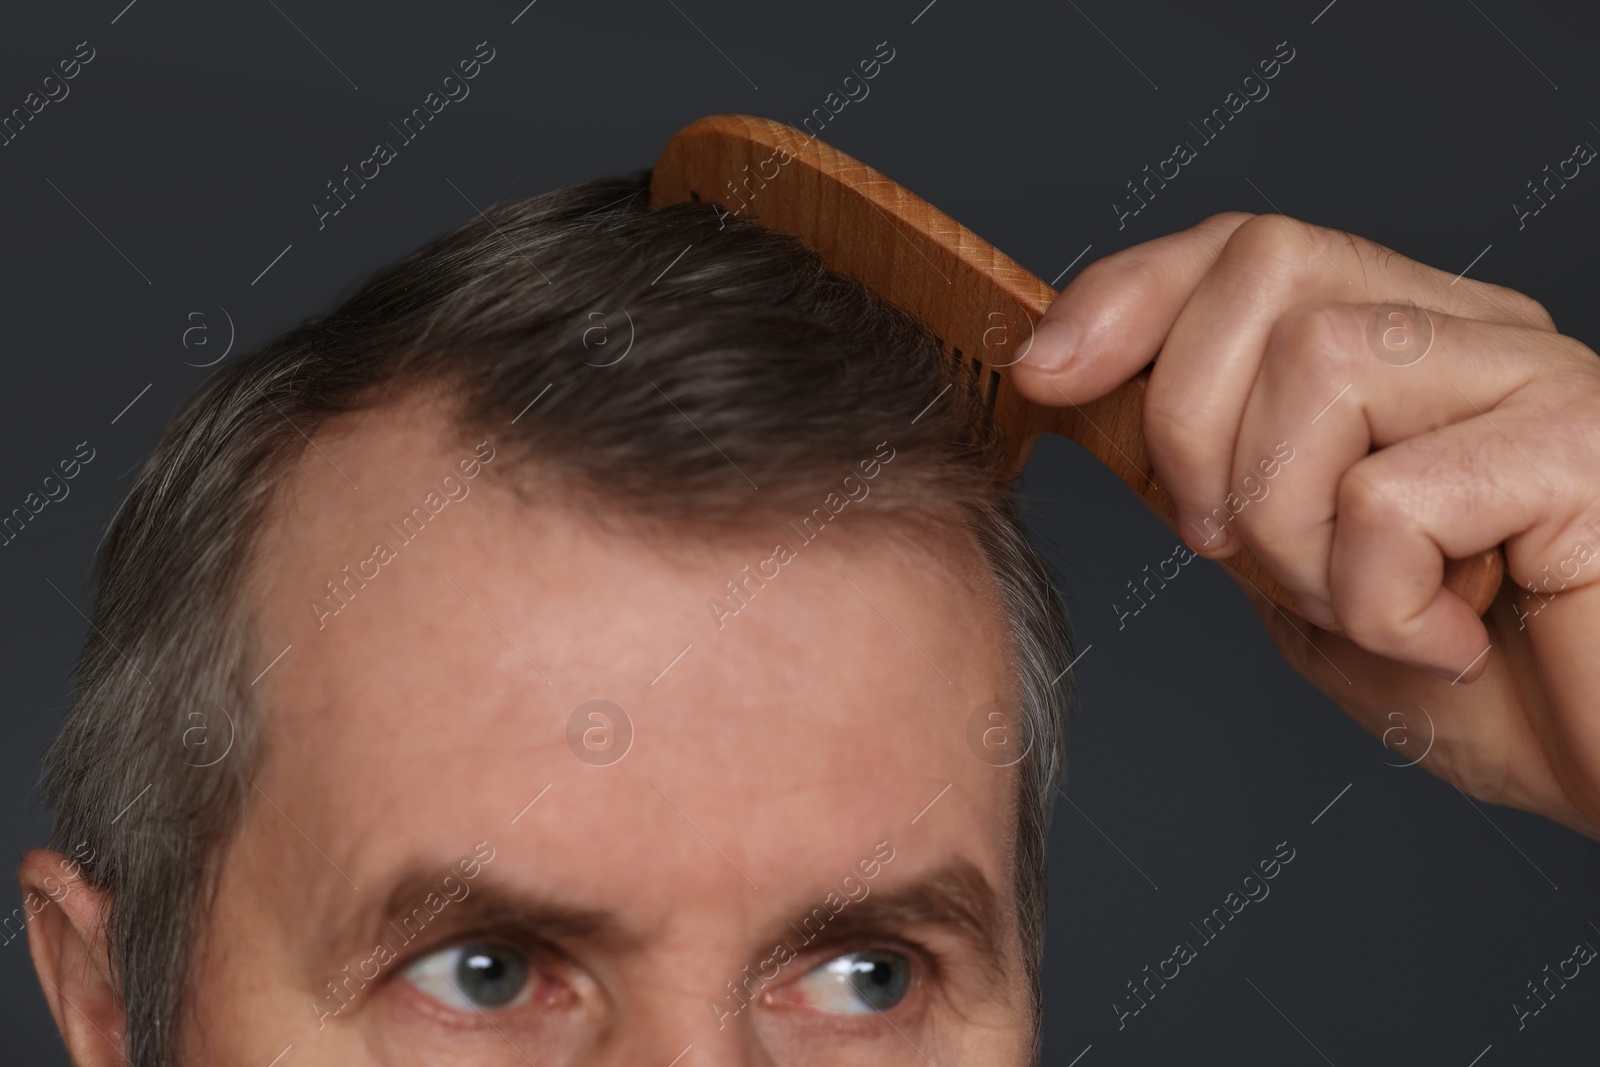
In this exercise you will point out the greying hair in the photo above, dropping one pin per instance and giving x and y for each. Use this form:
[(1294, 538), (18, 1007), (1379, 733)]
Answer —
[(794, 370)]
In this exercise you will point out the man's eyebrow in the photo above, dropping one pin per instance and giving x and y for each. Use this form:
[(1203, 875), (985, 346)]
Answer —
[(956, 896), (425, 905)]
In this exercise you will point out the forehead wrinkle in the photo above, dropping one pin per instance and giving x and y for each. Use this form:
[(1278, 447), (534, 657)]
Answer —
[(857, 554)]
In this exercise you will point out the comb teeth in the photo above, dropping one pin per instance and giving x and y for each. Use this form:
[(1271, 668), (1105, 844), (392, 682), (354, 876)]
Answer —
[(984, 380), (973, 374)]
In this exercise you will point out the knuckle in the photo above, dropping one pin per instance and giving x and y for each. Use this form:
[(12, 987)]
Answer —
[(1268, 243), (1370, 497), (1536, 313), (1154, 261), (1317, 341), (1227, 220), (1112, 272)]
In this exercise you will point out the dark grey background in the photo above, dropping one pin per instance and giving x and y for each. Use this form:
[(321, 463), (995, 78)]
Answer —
[(190, 151)]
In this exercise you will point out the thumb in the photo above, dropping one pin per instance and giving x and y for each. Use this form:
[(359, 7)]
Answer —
[(1113, 318)]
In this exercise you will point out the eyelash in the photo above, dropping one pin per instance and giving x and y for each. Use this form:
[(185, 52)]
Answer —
[(925, 963), (547, 962)]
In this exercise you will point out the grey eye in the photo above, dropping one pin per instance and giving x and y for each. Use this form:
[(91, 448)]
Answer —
[(860, 983), (481, 976)]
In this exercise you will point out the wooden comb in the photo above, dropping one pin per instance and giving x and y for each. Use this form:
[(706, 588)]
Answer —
[(975, 299)]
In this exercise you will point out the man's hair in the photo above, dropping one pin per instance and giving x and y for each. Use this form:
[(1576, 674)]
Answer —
[(750, 362)]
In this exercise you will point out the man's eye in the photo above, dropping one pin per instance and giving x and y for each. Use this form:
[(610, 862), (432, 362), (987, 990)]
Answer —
[(471, 976), (858, 984)]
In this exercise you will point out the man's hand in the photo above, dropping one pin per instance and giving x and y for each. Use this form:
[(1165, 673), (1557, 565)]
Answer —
[(1262, 326)]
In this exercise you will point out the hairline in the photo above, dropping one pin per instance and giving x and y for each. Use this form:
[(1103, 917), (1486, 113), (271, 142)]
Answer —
[(206, 665)]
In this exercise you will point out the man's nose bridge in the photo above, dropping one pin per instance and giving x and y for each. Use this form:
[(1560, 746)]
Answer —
[(701, 1019), (669, 1042)]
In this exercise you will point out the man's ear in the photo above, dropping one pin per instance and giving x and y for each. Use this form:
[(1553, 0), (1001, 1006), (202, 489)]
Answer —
[(66, 936)]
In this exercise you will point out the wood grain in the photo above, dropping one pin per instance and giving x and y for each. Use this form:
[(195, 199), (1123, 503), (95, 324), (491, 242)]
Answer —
[(979, 302)]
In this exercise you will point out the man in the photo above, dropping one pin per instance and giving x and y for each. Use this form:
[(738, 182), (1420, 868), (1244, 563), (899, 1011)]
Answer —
[(550, 656), (545, 658)]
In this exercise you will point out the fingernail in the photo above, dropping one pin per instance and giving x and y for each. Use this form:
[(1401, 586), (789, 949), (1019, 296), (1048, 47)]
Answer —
[(1054, 344)]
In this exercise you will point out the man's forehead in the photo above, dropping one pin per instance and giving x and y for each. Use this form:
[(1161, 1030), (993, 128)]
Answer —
[(433, 683), (397, 527)]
